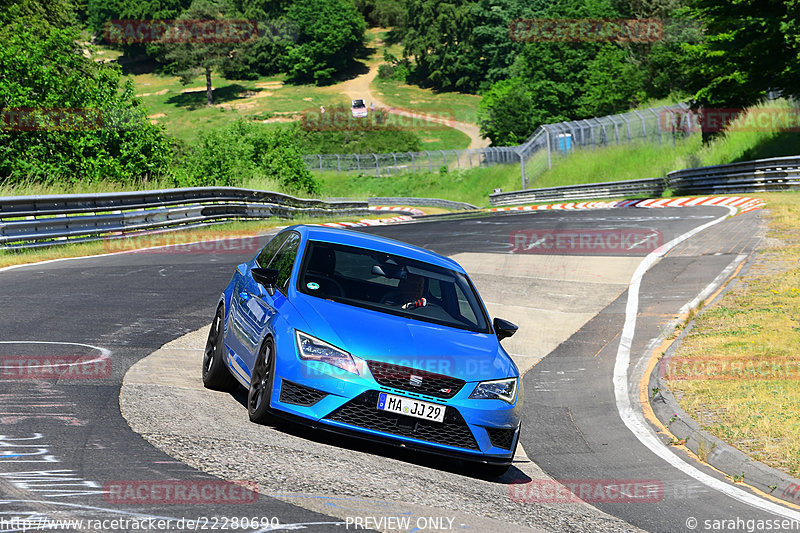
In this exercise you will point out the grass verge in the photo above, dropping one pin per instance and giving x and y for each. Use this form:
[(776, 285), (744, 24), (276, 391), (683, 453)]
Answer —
[(755, 325)]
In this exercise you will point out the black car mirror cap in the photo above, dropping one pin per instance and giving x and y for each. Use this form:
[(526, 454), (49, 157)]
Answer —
[(267, 277), (503, 328)]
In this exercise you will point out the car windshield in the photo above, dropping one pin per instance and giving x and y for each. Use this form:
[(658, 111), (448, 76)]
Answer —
[(391, 284), (358, 103)]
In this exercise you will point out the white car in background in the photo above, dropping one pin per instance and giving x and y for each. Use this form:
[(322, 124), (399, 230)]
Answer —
[(359, 108)]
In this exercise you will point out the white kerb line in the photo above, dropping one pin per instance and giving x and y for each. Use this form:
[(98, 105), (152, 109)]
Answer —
[(634, 420)]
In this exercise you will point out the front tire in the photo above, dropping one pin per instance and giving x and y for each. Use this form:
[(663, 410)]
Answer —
[(215, 374), (258, 396)]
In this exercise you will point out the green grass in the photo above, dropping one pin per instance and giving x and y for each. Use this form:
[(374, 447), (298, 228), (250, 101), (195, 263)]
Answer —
[(451, 105), (753, 324), (471, 185)]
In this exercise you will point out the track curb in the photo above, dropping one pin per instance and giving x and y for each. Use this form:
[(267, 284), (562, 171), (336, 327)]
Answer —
[(680, 427)]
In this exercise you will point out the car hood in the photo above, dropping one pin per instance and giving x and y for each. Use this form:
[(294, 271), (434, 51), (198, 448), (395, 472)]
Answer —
[(403, 341)]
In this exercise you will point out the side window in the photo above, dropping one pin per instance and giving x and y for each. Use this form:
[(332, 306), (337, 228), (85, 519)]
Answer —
[(272, 247), (284, 260)]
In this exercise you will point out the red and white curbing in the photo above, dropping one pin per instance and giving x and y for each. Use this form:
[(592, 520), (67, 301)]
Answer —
[(744, 204), (367, 222), (379, 222), (408, 210)]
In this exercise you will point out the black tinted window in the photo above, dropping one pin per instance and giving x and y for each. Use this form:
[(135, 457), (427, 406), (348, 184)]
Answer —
[(391, 284), (272, 247), (284, 260)]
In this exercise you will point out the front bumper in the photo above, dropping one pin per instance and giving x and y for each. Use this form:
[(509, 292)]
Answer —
[(322, 396)]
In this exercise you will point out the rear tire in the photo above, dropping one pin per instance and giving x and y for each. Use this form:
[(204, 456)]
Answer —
[(215, 374), (261, 382)]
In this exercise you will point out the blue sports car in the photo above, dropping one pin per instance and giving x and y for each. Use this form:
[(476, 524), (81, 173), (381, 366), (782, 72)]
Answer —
[(374, 337)]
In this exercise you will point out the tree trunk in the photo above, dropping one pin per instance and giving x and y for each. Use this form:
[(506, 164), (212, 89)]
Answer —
[(209, 90)]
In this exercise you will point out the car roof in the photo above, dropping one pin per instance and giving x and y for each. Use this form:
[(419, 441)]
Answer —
[(360, 239)]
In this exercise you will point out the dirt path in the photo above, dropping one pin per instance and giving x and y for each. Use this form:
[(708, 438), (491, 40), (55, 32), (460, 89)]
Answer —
[(360, 87)]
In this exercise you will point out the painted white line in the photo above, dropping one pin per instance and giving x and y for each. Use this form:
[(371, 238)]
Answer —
[(634, 419), (718, 281)]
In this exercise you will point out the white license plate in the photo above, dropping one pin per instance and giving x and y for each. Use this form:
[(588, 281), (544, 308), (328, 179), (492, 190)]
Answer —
[(409, 407)]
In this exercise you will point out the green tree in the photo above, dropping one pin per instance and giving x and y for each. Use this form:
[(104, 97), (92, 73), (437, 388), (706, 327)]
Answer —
[(505, 115), (193, 56), (330, 35), (462, 45), (245, 150), (750, 48), (66, 117)]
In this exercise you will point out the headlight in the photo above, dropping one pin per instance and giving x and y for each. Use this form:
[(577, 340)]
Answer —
[(313, 349), (499, 389)]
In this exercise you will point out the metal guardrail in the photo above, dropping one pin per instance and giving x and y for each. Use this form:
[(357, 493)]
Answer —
[(774, 174), (421, 202), (33, 221), (612, 189)]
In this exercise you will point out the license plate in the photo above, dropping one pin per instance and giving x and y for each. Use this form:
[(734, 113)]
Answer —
[(409, 407)]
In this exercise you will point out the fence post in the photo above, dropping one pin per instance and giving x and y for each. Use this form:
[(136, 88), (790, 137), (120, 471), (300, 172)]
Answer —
[(458, 164), (444, 158), (339, 162), (522, 170), (377, 168), (658, 124), (412, 161), (644, 128), (358, 162), (430, 169), (549, 161), (320, 163), (395, 160), (616, 131)]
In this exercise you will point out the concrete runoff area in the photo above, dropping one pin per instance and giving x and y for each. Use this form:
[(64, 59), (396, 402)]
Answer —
[(549, 297)]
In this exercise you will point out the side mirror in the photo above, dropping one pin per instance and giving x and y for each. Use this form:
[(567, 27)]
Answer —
[(267, 277), (503, 328)]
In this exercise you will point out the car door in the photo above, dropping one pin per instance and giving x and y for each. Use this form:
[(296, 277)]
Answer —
[(241, 329), (261, 307)]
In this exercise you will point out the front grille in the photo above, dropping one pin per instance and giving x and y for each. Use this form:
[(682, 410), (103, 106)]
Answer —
[(363, 412), (299, 394), (501, 438), (414, 380)]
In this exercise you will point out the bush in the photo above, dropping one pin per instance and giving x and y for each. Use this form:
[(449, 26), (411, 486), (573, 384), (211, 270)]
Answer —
[(244, 151), (76, 120)]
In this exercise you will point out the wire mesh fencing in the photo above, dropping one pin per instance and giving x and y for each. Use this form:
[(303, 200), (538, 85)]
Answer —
[(653, 125)]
